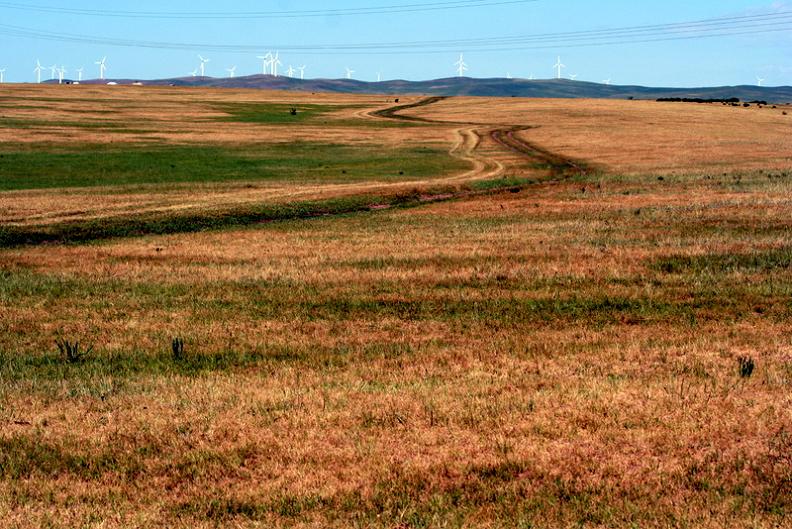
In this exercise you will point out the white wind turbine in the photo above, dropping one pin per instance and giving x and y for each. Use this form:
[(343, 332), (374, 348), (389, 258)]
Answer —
[(302, 72), (379, 77), (2, 76), (291, 71), (508, 75), (573, 76), (759, 81), (53, 71), (265, 61), (349, 73), (606, 81), (461, 66), (194, 73), (37, 70), (61, 73), (79, 74), (102, 67), (231, 71), (203, 65), (274, 63), (558, 66)]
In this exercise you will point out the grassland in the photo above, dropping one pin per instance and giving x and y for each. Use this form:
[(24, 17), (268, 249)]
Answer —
[(539, 340)]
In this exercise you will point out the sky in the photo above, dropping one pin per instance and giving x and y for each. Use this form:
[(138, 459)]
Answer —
[(724, 60)]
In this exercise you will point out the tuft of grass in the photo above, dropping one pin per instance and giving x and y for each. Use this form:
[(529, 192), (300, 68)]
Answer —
[(177, 349), (747, 366), (72, 352)]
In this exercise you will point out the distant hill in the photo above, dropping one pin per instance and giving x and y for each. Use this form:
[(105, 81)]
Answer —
[(465, 86)]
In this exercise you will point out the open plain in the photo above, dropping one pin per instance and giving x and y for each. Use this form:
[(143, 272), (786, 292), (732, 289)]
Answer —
[(308, 310)]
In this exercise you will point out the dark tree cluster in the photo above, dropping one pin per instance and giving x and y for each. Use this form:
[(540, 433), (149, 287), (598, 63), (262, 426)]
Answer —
[(697, 100)]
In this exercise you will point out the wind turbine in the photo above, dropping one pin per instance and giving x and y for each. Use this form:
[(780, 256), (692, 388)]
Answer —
[(265, 62), (558, 66), (274, 63), (37, 70), (573, 77), (508, 75), (349, 73), (79, 74), (194, 73), (2, 76), (606, 81), (461, 66), (530, 77), (203, 65), (53, 71), (379, 77), (759, 81), (231, 71), (291, 71), (61, 73), (102, 67), (302, 72)]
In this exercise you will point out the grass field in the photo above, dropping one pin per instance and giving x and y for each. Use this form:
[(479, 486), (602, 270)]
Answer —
[(547, 321)]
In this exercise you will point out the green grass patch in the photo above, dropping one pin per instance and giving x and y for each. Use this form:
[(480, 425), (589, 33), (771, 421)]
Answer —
[(719, 263), (103, 165), (275, 113)]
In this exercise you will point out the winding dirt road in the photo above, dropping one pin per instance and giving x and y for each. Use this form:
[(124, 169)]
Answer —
[(470, 135)]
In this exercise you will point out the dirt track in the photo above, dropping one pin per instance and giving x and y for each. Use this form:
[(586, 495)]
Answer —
[(470, 139)]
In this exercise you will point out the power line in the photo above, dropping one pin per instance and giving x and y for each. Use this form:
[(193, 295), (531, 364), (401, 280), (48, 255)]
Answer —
[(230, 15), (693, 30)]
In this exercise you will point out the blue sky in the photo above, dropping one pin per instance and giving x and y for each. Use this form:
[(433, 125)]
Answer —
[(716, 61)]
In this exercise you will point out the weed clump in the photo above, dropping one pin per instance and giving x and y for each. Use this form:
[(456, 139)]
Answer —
[(747, 366), (177, 349), (72, 352)]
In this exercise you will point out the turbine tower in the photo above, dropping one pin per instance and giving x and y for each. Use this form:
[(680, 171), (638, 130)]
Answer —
[(265, 62), (558, 66), (203, 65), (302, 72), (274, 63), (37, 71), (291, 71), (231, 72), (2, 76), (759, 81), (102, 67), (79, 74), (349, 73), (61, 73), (379, 77), (53, 71), (461, 66)]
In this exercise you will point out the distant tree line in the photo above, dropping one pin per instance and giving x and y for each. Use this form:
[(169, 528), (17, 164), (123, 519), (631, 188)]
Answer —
[(698, 100)]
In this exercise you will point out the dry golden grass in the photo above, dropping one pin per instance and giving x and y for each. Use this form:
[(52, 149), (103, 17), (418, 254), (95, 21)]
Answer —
[(565, 356), (639, 136)]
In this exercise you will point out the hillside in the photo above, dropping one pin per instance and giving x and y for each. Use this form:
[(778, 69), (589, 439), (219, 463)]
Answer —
[(457, 86)]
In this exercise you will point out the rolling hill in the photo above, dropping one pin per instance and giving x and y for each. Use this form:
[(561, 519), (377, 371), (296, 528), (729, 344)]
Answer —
[(465, 86)]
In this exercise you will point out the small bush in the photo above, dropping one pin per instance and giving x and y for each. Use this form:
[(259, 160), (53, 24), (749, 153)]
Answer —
[(71, 352), (293, 111), (177, 348), (747, 366)]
